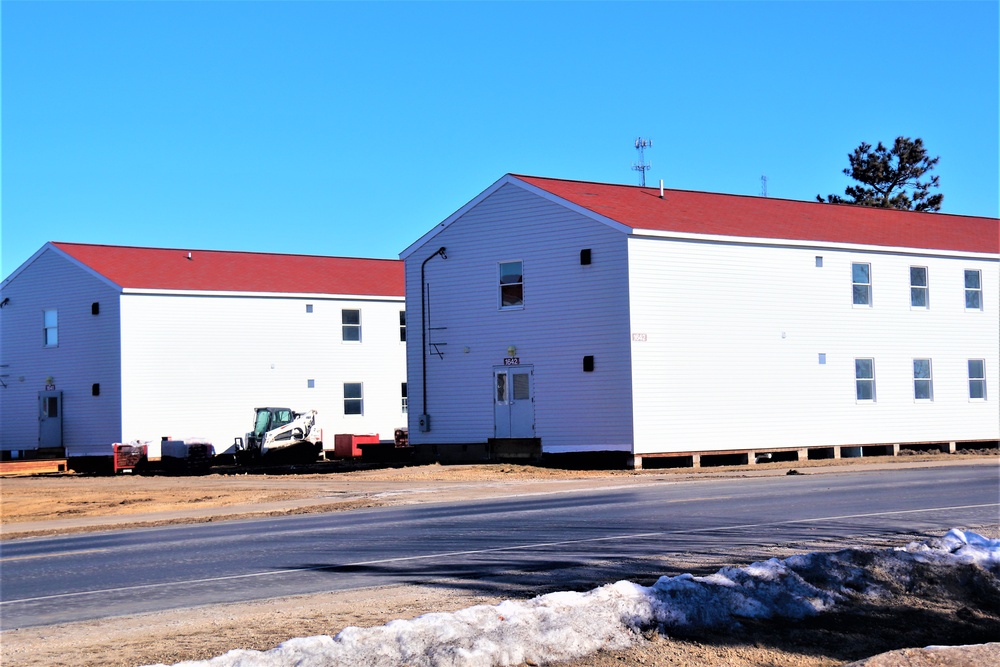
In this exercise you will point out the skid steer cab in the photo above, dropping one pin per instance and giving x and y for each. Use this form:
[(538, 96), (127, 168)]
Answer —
[(280, 434)]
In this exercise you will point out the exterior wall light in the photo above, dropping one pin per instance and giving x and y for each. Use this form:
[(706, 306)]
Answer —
[(511, 350)]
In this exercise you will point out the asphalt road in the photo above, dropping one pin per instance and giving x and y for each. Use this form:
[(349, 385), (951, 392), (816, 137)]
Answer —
[(539, 543)]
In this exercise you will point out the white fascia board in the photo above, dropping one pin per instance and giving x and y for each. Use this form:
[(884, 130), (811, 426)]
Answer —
[(816, 245), (49, 246), (267, 295), (511, 180)]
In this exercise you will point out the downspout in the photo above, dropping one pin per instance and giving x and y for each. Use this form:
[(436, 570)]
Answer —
[(425, 424)]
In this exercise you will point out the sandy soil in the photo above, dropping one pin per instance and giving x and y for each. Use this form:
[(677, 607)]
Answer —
[(959, 608)]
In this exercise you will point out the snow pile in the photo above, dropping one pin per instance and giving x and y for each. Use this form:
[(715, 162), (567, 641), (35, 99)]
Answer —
[(958, 547), (567, 625)]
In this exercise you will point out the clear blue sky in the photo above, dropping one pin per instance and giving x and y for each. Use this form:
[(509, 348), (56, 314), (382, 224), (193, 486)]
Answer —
[(351, 129)]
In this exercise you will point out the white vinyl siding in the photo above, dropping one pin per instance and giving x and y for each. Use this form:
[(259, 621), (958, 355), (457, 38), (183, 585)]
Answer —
[(726, 364), (570, 311), (176, 363), (86, 354)]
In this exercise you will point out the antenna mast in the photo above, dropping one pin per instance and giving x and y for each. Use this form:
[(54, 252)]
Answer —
[(763, 186), (640, 145)]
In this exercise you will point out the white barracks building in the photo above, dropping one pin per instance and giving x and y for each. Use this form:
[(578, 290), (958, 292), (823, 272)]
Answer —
[(105, 344), (568, 316)]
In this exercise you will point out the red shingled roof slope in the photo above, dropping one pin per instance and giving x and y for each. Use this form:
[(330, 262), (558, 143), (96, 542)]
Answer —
[(762, 217), (223, 271)]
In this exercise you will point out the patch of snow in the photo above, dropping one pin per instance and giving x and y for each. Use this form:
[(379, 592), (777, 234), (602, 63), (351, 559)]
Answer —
[(568, 625)]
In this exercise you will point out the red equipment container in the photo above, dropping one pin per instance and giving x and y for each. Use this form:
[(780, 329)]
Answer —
[(346, 445)]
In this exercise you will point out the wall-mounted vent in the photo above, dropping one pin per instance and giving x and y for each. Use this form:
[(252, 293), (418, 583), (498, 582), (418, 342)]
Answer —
[(95, 389), (95, 308), (585, 256), (588, 364)]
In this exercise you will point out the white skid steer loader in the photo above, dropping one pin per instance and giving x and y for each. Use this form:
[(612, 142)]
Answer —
[(281, 433)]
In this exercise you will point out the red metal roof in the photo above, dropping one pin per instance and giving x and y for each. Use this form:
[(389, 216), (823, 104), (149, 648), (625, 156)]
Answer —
[(224, 271), (690, 212)]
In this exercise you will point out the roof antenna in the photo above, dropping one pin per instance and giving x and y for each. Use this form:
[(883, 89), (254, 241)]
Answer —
[(640, 145), (763, 185)]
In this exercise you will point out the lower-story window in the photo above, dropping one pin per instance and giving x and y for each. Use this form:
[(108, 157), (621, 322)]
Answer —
[(353, 399), (923, 389), (977, 379), (405, 406), (864, 379)]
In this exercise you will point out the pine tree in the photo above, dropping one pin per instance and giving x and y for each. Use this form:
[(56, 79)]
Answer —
[(890, 177)]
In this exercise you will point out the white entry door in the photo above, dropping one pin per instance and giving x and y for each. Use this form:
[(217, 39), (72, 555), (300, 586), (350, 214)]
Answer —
[(513, 402), (50, 424)]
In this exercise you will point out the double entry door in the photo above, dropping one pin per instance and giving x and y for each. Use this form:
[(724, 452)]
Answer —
[(513, 402)]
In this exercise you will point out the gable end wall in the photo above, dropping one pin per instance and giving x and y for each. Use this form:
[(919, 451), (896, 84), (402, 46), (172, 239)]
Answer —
[(570, 311), (87, 354)]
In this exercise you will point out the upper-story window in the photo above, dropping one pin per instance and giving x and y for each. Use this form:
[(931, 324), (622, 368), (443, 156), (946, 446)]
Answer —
[(918, 287), (861, 278), (402, 326), (351, 325), (923, 387), (50, 327), (864, 379), (977, 379), (511, 285), (973, 289)]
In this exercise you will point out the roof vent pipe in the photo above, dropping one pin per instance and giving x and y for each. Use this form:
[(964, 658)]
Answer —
[(189, 254), (661, 188)]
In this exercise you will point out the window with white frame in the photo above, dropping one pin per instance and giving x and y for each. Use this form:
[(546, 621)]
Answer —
[(402, 326), (511, 285), (973, 289), (977, 379), (923, 384), (864, 379), (50, 327), (918, 287), (405, 404), (861, 279), (353, 399), (351, 325)]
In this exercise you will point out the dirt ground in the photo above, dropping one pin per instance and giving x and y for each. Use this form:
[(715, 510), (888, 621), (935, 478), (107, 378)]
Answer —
[(960, 608)]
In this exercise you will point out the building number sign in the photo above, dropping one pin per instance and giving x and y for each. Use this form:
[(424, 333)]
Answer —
[(512, 361)]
